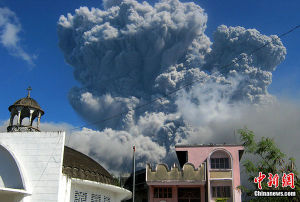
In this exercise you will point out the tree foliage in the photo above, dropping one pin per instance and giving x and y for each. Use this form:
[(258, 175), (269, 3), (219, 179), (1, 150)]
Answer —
[(265, 156)]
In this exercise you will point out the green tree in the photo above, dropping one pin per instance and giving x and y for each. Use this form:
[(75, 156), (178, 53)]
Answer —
[(265, 156)]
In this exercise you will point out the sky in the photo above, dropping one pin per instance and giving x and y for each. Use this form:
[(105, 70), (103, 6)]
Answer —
[(33, 54), (51, 78)]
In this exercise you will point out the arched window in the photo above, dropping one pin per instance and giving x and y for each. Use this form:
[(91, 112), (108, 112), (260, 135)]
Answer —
[(220, 160), (10, 176)]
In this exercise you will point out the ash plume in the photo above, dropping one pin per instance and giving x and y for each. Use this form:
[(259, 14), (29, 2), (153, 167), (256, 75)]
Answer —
[(131, 53)]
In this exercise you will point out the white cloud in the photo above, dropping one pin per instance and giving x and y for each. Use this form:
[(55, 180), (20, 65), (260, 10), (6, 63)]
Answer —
[(10, 29)]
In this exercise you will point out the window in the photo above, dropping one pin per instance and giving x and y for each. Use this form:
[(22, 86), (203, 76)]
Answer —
[(106, 199), (221, 191), (189, 194), (96, 198), (219, 163), (80, 196), (163, 192)]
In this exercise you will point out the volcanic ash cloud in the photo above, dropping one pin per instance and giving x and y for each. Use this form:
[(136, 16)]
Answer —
[(131, 53)]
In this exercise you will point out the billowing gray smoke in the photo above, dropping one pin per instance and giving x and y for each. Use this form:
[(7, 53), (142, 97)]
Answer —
[(131, 53)]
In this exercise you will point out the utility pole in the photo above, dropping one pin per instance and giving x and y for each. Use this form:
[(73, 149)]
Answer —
[(133, 183), (234, 136)]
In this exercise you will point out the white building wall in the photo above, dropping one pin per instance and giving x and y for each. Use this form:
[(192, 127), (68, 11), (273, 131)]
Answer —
[(88, 191), (40, 154), (65, 189)]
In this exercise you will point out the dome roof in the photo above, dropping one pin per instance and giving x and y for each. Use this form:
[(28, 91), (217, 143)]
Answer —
[(26, 102), (79, 165)]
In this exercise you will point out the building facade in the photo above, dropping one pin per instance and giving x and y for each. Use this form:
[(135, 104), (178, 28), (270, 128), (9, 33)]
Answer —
[(206, 173), (36, 166)]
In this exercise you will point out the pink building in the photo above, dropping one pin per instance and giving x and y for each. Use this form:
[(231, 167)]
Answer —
[(206, 173)]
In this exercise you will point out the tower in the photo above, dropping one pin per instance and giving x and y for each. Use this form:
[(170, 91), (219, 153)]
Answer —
[(25, 108)]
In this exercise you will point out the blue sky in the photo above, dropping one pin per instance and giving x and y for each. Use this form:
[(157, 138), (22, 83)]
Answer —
[(51, 78)]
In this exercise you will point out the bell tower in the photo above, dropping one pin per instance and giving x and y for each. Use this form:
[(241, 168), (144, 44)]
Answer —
[(25, 108)]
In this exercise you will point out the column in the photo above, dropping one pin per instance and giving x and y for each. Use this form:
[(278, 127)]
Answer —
[(39, 118), (30, 117), (12, 115), (202, 188), (208, 179), (151, 192), (19, 116), (175, 193)]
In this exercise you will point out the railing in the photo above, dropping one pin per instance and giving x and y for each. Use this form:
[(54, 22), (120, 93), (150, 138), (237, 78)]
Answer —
[(22, 128)]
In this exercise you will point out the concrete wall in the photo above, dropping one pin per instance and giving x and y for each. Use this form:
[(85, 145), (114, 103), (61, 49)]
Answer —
[(40, 155), (220, 174), (89, 192), (188, 173), (65, 189), (93, 191)]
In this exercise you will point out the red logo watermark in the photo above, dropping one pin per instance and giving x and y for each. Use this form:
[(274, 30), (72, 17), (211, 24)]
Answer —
[(273, 180), (288, 180)]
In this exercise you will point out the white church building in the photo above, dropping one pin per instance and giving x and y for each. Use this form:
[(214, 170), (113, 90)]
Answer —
[(36, 166)]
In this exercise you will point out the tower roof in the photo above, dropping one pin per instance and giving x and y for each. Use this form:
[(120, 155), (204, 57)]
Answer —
[(26, 102)]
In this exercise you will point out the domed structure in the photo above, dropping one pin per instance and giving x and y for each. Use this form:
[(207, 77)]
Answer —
[(79, 165), (24, 108)]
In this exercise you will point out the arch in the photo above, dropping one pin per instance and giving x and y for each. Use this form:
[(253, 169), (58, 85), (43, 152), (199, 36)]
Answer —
[(162, 167), (25, 121), (188, 165), (11, 175), (14, 119), (220, 153)]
